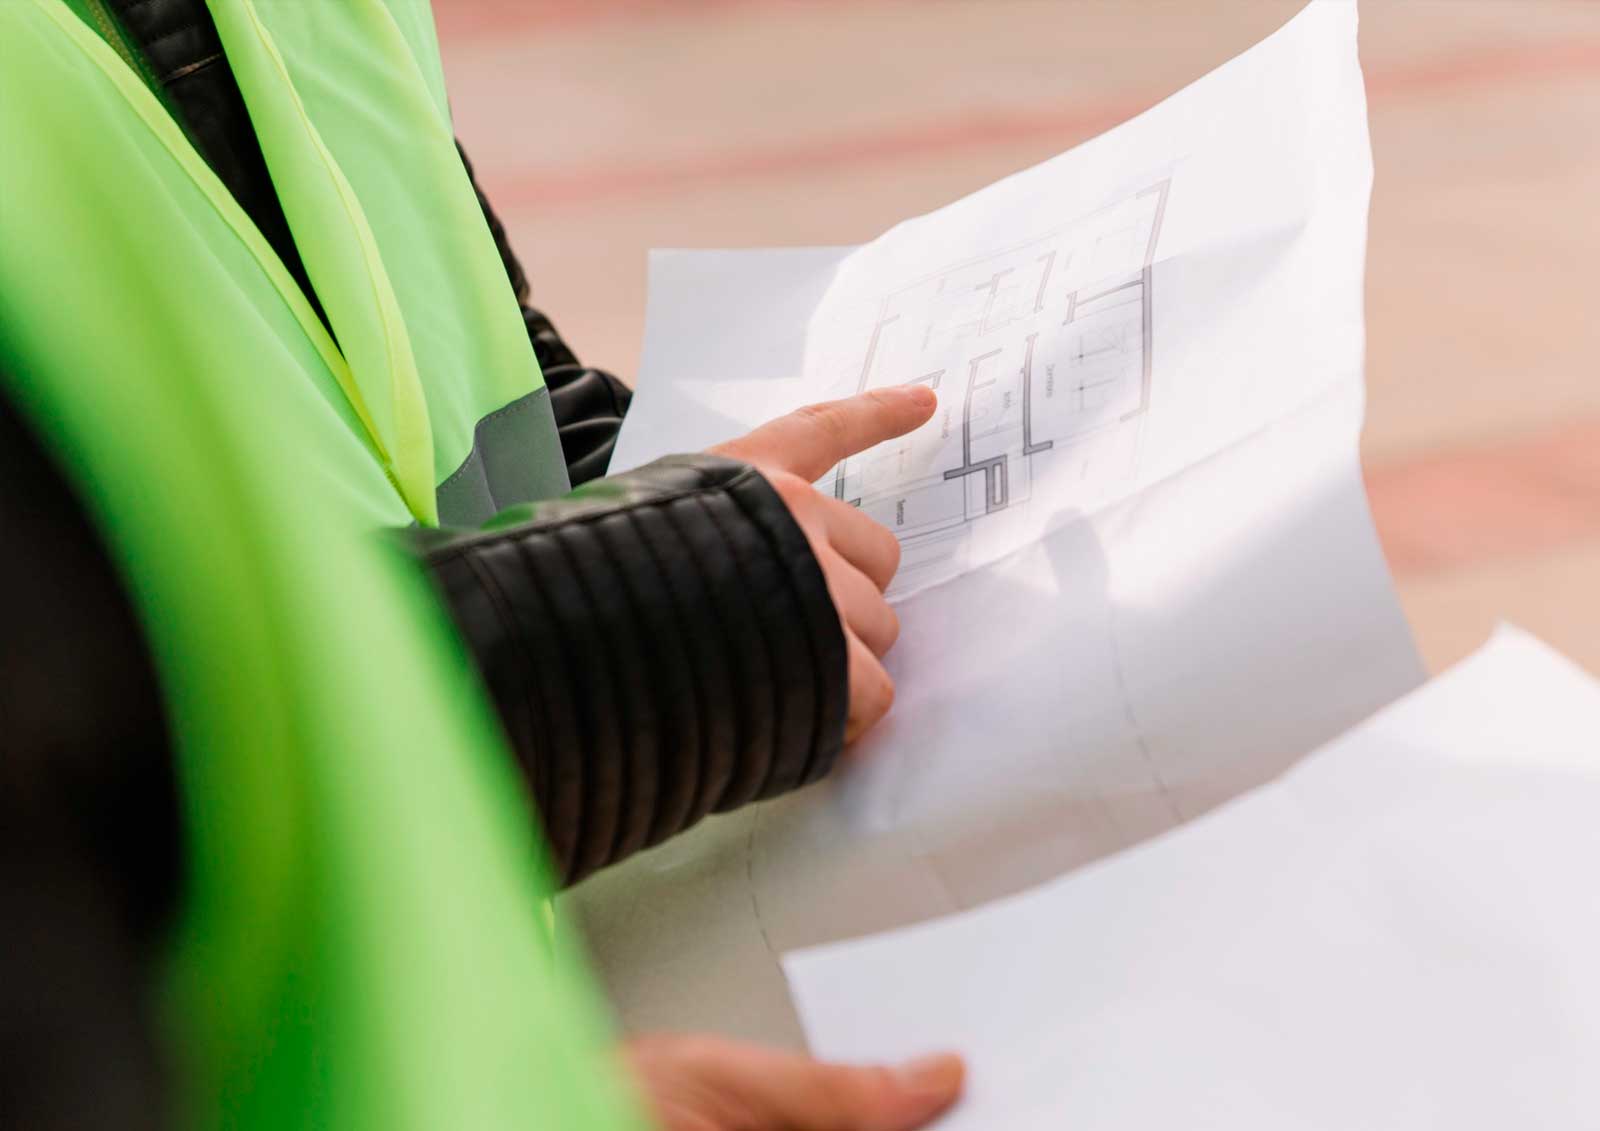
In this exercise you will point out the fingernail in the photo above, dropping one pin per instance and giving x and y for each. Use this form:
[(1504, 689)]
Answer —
[(934, 1077), (922, 396)]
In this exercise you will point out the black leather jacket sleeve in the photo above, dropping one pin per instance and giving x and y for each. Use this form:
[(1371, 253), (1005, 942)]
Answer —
[(660, 645), (589, 403)]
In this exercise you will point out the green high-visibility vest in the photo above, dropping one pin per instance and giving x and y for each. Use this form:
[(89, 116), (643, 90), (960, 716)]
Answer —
[(362, 944)]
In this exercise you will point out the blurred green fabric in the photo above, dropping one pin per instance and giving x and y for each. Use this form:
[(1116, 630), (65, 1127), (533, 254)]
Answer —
[(363, 943)]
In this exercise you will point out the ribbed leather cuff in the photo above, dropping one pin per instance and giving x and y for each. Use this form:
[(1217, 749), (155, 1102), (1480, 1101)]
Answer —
[(660, 645)]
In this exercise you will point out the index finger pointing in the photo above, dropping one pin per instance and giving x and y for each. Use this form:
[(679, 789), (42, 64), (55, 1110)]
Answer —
[(812, 439)]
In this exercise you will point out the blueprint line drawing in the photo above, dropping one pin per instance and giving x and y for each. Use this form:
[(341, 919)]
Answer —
[(1042, 355), (1139, 578)]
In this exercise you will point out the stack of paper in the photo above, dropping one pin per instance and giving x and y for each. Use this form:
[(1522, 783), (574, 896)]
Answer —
[(1402, 932)]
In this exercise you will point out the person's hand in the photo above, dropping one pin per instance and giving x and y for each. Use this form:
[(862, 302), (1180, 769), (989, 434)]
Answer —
[(857, 555), (708, 1084)]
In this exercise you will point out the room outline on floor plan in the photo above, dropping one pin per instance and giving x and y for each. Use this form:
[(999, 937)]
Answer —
[(1041, 354)]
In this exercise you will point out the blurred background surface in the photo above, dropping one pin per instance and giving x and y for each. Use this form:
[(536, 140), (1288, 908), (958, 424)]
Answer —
[(602, 128)]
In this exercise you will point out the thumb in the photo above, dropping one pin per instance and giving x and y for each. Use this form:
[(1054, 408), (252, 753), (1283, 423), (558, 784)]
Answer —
[(810, 440), (836, 1097)]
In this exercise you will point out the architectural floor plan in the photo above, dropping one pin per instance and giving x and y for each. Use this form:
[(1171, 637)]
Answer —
[(1140, 574), (1041, 355)]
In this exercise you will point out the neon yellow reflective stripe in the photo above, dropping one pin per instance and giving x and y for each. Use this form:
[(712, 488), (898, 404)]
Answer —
[(155, 118), (415, 22), (356, 71), (347, 99), (340, 254)]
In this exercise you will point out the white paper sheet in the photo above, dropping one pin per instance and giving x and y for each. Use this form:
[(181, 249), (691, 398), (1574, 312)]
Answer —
[(1140, 574), (1402, 932)]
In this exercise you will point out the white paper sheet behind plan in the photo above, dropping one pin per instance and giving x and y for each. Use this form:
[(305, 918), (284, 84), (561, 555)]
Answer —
[(1400, 933), (1141, 575)]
